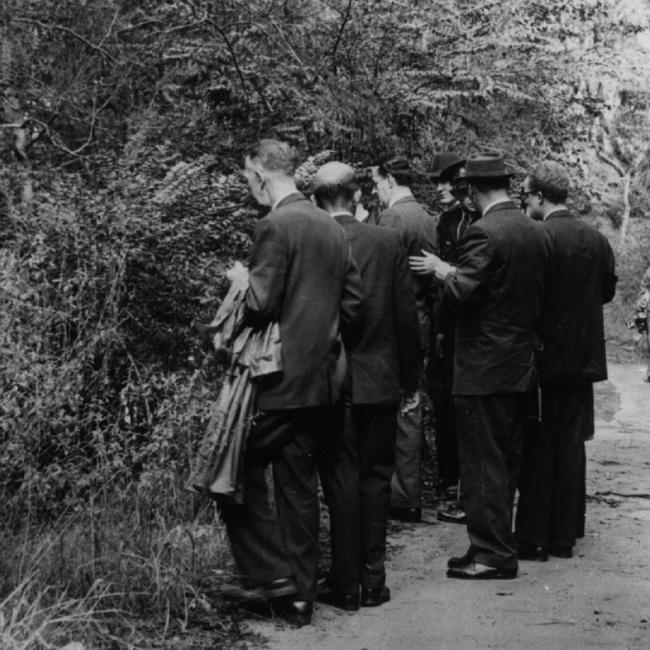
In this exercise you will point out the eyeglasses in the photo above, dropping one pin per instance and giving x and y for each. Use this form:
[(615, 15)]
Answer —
[(524, 194)]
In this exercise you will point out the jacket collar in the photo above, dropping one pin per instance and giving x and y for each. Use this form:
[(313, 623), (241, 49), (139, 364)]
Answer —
[(405, 199), (344, 217), (290, 198), (501, 205), (562, 212)]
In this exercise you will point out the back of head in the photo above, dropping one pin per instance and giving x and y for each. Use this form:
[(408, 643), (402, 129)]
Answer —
[(399, 168), (274, 156), (334, 186), (552, 180)]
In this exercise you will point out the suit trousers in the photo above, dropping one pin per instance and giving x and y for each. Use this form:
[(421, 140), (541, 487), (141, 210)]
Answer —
[(280, 541), (490, 431), (405, 483), (355, 473), (441, 378), (551, 490)]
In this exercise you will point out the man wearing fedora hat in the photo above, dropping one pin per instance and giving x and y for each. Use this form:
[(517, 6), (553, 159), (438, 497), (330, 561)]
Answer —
[(497, 288)]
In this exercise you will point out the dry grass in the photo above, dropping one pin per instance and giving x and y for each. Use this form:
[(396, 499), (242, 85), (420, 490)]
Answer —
[(100, 575)]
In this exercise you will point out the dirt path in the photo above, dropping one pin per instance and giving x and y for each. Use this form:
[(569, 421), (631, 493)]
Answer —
[(598, 599)]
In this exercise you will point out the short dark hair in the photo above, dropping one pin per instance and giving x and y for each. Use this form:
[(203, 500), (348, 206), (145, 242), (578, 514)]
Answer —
[(552, 180), (336, 193), (399, 169), (274, 156), (484, 185)]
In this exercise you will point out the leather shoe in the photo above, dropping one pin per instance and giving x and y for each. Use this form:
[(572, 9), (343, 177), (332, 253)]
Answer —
[(410, 515), (477, 571), (462, 560), (274, 589), (374, 596), (530, 552), (561, 551), (295, 612), (346, 602), (452, 516)]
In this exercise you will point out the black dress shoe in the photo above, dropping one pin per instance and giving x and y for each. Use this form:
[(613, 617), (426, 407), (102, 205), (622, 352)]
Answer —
[(298, 612), (274, 589), (477, 571), (463, 560), (346, 602), (561, 551), (452, 516), (530, 552), (374, 596), (410, 515)]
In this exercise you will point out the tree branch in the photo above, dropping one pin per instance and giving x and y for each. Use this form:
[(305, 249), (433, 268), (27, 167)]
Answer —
[(71, 32), (339, 36)]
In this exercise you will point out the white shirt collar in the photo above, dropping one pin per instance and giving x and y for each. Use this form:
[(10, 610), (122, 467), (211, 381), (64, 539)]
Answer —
[(341, 213)]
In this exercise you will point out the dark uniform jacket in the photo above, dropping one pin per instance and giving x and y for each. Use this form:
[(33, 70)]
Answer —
[(498, 288), (417, 230), (583, 278), (387, 355), (449, 233), (452, 225), (302, 274)]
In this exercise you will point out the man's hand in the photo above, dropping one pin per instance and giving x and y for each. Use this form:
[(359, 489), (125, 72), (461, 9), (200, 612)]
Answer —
[(430, 264), (409, 403)]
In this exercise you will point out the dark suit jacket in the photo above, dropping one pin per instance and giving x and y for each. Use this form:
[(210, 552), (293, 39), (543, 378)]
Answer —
[(498, 288), (303, 275), (387, 355), (417, 230), (583, 278)]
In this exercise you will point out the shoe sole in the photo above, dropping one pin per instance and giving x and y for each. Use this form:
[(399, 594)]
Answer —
[(450, 519), (486, 575)]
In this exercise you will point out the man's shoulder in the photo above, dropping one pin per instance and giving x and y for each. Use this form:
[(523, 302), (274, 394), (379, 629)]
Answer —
[(567, 221), (374, 236), (301, 212)]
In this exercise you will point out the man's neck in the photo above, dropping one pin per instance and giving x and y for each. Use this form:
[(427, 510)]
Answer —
[(398, 194), (486, 201), (552, 208), (279, 189)]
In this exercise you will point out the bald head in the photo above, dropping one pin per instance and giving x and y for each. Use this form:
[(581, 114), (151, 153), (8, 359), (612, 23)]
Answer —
[(334, 186)]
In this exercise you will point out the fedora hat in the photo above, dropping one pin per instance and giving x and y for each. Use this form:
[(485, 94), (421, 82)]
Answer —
[(485, 165), (444, 164)]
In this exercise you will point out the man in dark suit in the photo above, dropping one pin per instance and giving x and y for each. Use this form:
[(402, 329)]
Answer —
[(417, 230), (356, 472), (302, 275), (497, 287), (582, 279)]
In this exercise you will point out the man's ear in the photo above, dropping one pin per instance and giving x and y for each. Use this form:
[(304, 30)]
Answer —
[(260, 178), (312, 198), (357, 195)]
